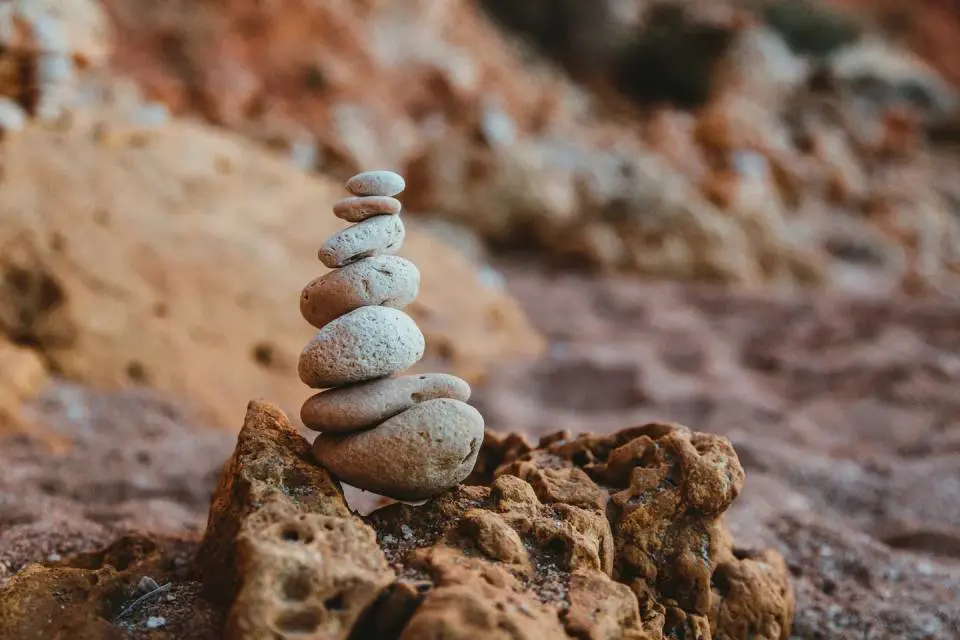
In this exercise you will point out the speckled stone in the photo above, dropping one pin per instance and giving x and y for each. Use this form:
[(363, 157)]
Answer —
[(429, 448), (367, 404), (379, 235), (360, 208), (388, 281), (367, 343), (376, 183)]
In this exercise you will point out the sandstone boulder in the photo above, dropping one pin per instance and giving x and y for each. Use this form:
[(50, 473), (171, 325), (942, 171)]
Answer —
[(171, 255)]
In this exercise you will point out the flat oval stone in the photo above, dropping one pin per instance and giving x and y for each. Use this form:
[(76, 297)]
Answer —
[(360, 208), (379, 235), (367, 404), (367, 343), (429, 448), (376, 183), (387, 281)]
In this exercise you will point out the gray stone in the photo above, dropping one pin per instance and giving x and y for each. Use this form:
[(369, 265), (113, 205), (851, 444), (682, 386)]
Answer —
[(365, 344), (376, 183), (417, 454), (367, 404), (358, 209), (387, 281), (379, 235)]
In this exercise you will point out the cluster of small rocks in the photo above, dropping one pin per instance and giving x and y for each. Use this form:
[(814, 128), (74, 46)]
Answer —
[(407, 437)]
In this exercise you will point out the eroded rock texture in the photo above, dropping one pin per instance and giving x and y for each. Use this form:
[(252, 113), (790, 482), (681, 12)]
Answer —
[(595, 537), (281, 543)]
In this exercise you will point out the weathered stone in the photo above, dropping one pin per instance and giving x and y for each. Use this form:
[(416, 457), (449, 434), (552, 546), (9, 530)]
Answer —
[(417, 454), (379, 235), (269, 477), (359, 208), (376, 183), (367, 343), (306, 575), (243, 238), (366, 404), (387, 281)]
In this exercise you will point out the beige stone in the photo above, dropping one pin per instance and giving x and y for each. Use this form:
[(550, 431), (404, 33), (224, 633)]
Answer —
[(367, 343), (376, 183), (359, 208), (168, 257), (388, 281), (419, 453), (379, 235), (367, 404)]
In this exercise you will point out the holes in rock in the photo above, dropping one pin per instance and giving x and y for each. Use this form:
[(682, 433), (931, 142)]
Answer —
[(142, 457), (160, 310), (101, 217), (742, 554), (444, 350), (299, 622), (720, 581), (296, 588), (57, 242), (18, 279), (264, 354), (293, 534), (136, 372), (334, 603)]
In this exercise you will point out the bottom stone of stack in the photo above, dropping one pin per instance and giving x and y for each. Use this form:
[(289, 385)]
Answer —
[(426, 450)]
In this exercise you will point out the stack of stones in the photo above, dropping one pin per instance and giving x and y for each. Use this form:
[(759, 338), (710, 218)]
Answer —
[(408, 437)]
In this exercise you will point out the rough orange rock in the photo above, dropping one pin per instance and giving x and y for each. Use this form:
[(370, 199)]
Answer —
[(125, 264), (306, 574), (268, 479)]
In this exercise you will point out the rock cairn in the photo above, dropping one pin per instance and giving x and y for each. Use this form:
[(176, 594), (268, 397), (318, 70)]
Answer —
[(407, 437)]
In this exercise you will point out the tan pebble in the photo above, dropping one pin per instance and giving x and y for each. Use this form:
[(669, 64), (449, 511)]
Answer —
[(376, 183), (358, 209), (367, 343), (367, 404), (388, 281), (427, 449), (379, 235)]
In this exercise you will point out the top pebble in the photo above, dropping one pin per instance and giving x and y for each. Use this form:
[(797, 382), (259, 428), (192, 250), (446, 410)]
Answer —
[(376, 183)]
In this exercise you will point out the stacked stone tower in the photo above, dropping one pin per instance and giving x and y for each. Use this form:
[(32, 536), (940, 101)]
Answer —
[(408, 437)]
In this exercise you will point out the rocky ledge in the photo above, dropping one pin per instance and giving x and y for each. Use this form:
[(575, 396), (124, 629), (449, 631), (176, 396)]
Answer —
[(593, 537)]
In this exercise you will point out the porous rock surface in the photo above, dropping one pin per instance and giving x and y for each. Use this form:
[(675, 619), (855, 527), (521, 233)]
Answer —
[(122, 263), (595, 537)]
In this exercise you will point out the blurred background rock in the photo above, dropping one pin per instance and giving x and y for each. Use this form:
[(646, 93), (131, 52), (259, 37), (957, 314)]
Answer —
[(727, 179)]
